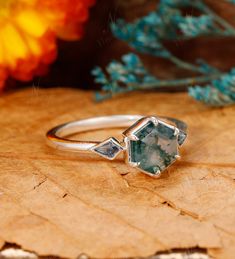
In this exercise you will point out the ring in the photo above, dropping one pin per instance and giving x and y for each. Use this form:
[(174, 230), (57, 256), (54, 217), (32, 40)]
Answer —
[(150, 143)]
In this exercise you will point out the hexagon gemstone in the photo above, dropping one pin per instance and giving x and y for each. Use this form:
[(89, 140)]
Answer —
[(155, 149)]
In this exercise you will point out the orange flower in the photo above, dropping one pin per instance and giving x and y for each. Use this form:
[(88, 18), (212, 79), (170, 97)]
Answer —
[(28, 32)]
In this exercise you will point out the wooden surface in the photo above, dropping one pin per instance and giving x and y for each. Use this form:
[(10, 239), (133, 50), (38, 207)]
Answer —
[(64, 205)]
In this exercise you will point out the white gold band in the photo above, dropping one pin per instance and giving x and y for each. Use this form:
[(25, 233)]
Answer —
[(57, 136)]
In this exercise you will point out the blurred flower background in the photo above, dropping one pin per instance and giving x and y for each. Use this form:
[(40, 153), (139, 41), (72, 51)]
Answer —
[(29, 30)]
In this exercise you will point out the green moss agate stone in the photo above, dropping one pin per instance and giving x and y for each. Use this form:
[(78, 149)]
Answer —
[(155, 149)]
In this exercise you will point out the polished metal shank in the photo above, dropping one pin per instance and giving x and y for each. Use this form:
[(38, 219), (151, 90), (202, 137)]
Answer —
[(58, 136)]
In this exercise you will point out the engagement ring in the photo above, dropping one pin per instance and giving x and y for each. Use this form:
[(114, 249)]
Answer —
[(151, 143)]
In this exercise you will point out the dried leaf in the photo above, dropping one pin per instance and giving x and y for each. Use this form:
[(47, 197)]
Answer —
[(66, 204)]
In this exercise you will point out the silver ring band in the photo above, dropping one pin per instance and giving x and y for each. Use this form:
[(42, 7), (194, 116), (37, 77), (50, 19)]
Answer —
[(176, 130)]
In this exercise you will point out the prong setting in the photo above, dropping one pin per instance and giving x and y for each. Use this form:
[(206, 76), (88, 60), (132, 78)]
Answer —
[(176, 132), (133, 164), (156, 136), (132, 136), (154, 120), (178, 157)]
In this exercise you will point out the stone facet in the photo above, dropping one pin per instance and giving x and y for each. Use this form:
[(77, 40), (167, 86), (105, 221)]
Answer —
[(155, 149), (110, 148), (181, 137)]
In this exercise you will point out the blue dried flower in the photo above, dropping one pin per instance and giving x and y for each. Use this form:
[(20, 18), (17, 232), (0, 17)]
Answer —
[(196, 26), (220, 92), (130, 73), (148, 34), (208, 69)]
